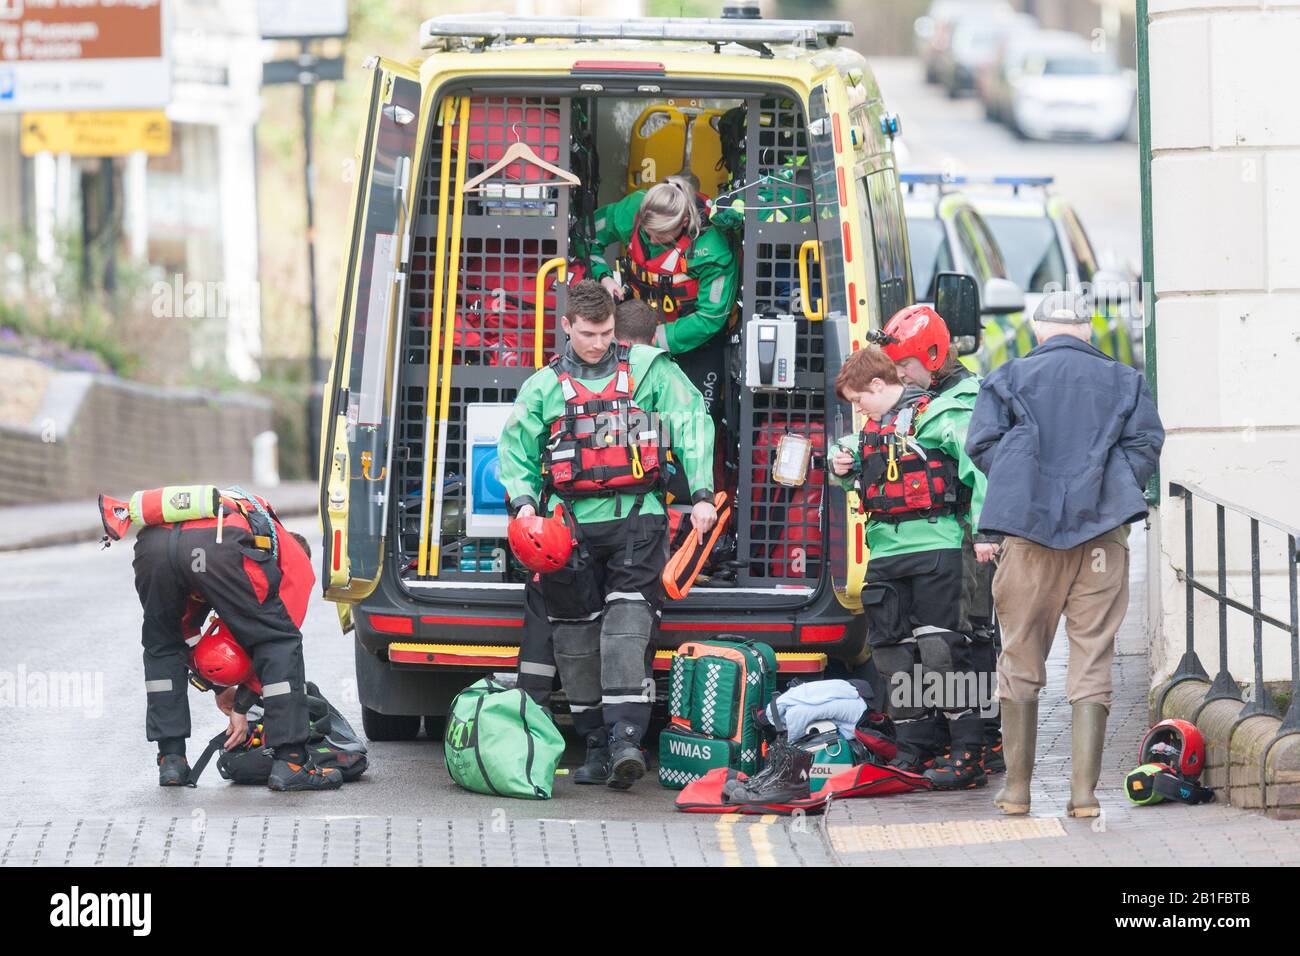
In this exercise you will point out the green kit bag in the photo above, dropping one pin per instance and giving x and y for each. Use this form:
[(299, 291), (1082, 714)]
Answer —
[(500, 742), (715, 690)]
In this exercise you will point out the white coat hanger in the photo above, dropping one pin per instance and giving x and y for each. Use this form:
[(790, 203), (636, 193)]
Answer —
[(519, 150)]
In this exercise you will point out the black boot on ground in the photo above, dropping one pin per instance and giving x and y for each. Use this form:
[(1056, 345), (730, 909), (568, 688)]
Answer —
[(958, 769), (173, 770), (595, 769), (293, 772), (626, 761), (785, 777), (994, 760)]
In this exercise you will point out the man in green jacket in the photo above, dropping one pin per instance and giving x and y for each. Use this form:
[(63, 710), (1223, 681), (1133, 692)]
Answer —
[(589, 432), (681, 266), (912, 474)]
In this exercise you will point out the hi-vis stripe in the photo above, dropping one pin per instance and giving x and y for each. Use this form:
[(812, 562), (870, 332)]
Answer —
[(570, 393), (622, 382), (623, 596), (157, 686), (277, 689)]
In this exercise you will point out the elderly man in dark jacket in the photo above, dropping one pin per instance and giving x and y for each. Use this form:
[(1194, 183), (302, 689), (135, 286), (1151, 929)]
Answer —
[(1068, 438)]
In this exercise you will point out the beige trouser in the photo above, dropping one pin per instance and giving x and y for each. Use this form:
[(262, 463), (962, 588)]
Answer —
[(1034, 586)]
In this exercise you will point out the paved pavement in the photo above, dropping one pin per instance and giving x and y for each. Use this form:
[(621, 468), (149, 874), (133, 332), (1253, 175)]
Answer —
[(84, 790)]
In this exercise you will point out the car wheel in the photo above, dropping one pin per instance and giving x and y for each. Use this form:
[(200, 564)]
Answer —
[(379, 727)]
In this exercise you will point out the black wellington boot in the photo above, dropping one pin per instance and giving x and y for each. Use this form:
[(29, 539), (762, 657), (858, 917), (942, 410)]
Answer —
[(785, 778), (596, 768)]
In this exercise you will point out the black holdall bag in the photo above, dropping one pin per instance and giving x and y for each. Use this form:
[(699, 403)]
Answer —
[(331, 742)]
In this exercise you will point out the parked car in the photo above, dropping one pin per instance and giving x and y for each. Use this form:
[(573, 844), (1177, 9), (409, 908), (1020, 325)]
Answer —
[(933, 32), (946, 233), (995, 83), (1072, 94), (975, 42), (1045, 246)]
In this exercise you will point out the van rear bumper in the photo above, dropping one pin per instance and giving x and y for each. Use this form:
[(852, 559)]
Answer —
[(487, 632)]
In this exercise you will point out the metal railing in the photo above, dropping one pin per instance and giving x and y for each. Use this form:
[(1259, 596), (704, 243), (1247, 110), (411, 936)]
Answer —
[(1224, 686)]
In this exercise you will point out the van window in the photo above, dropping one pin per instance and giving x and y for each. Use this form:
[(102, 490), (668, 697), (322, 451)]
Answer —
[(889, 237), (930, 253)]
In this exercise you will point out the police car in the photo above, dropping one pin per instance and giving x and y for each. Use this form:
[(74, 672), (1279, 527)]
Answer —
[(1046, 247), (946, 233)]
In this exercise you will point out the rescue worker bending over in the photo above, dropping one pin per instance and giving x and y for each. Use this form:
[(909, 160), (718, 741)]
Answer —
[(681, 267), (907, 466), (258, 578), (917, 339), (586, 432)]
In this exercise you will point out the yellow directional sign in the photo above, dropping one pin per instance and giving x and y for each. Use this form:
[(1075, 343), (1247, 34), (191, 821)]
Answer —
[(97, 133)]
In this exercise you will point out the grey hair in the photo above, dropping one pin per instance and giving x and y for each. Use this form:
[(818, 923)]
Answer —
[(666, 204)]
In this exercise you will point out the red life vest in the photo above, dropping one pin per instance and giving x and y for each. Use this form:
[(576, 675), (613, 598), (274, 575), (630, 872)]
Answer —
[(899, 483), (603, 444), (661, 282)]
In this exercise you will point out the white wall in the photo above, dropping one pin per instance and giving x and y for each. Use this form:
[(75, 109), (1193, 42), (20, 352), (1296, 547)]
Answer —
[(1225, 186)]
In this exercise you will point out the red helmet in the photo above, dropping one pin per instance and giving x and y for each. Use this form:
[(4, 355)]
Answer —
[(917, 332), (541, 544), (1177, 744), (218, 658)]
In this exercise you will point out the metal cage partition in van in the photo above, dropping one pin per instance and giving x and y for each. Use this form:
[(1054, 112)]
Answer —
[(508, 234)]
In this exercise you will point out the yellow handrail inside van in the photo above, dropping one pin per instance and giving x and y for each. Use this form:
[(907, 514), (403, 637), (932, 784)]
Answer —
[(540, 307), (813, 246)]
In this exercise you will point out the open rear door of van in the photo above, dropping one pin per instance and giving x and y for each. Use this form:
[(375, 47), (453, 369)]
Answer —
[(358, 419), (846, 316)]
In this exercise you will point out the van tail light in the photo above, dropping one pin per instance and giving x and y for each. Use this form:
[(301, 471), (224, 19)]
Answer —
[(821, 633), (392, 624)]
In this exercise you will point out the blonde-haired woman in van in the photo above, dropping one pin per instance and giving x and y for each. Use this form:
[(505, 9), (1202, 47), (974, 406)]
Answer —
[(680, 265)]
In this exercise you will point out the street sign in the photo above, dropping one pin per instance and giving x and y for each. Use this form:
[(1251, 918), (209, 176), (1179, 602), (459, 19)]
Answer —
[(96, 134), (83, 55), (306, 69), (298, 19)]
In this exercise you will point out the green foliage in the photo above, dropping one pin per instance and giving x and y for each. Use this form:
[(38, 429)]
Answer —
[(57, 317)]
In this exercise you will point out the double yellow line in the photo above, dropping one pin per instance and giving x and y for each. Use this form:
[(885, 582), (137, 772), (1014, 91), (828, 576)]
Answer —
[(759, 832)]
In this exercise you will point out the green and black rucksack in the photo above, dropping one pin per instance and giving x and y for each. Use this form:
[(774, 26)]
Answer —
[(716, 692)]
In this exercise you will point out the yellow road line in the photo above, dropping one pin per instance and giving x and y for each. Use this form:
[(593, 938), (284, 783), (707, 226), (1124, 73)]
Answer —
[(725, 826), (758, 836)]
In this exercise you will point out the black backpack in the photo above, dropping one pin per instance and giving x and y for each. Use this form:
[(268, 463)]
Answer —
[(331, 742)]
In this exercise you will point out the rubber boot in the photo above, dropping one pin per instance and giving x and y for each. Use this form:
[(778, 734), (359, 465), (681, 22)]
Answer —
[(1019, 740), (595, 769), (1087, 735)]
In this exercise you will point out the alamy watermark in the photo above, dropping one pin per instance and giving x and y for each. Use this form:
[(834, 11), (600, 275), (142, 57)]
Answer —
[(53, 690), (180, 298), (944, 690)]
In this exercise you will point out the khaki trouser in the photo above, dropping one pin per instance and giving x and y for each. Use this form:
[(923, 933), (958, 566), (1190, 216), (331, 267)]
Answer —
[(1034, 586)]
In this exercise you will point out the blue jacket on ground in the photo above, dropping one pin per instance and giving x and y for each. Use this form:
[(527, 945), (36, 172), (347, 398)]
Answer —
[(1068, 438)]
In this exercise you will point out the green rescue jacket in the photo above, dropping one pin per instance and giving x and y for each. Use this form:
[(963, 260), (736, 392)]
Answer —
[(659, 386), (709, 260), (942, 426)]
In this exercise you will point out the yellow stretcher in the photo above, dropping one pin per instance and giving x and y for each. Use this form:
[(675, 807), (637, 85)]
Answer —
[(661, 138)]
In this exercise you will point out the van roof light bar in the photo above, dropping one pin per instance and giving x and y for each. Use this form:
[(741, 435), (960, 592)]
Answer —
[(488, 28), (948, 179)]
